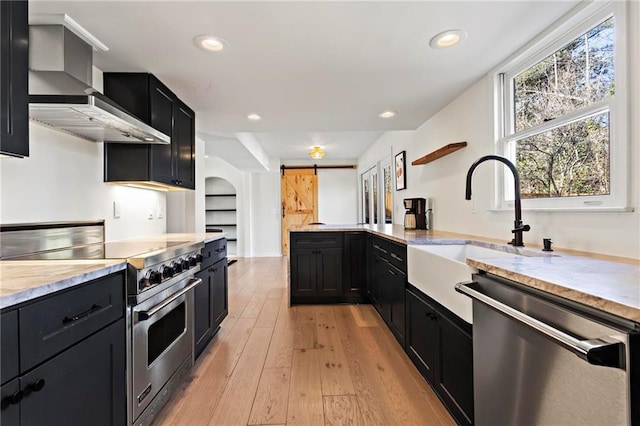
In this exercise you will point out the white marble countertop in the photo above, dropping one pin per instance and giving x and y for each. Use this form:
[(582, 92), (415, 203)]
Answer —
[(23, 280), (606, 283)]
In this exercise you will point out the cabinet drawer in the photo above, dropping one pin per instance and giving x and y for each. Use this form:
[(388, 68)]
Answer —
[(52, 325), (398, 255), (8, 346), (395, 253), (213, 252), (316, 239)]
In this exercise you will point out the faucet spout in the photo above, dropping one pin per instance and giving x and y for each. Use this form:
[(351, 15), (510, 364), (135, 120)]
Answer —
[(518, 226)]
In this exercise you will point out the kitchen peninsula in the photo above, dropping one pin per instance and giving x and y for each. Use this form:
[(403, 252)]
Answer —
[(411, 278)]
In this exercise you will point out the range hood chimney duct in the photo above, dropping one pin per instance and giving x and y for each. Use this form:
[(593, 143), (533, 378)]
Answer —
[(60, 62)]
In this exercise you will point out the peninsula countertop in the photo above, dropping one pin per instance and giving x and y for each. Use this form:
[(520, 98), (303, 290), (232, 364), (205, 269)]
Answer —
[(24, 280), (607, 283)]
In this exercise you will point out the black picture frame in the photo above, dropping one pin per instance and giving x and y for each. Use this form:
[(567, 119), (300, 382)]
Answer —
[(401, 170)]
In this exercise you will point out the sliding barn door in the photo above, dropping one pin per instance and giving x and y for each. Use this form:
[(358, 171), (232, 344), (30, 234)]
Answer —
[(299, 201)]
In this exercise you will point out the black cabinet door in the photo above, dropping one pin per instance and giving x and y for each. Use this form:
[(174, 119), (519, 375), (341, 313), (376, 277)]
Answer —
[(183, 144), (161, 105), (394, 301), (85, 385), (10, 397), (422, 335), (454, 376), (355, 264), (219, 293), (329, 272), (9, 346), (14, 91), (303, 272), (203, 315)]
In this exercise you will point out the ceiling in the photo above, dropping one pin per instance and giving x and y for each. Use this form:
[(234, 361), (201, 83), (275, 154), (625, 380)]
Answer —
[(317, 72)]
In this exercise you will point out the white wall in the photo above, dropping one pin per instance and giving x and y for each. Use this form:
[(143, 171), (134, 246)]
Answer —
[(62, 180), (469, 118), (265, 232), (337, 196)]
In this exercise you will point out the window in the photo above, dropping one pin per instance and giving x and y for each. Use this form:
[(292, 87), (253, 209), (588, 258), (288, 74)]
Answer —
[(564, 117)]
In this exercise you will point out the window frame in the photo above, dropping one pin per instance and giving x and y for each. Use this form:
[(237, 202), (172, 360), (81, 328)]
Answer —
[(580, 20)]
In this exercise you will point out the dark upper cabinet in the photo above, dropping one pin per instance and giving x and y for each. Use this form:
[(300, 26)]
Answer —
[(145, 96), (14, 74), (184, 136), (441, 347)]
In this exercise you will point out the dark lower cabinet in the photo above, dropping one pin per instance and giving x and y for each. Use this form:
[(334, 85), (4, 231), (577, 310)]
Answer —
[(211, 304), (354, 266), (441, 347), (14, 67), (388, 283), (316, 265), (83, 385), (67, 353)]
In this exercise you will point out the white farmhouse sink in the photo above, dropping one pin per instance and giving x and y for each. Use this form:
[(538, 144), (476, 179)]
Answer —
[(435, 270)]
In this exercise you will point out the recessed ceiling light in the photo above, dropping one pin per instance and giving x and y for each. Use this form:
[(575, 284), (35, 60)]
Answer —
[(210, 43), (447, 38), (206, 156), (254, 117), (387, 114)]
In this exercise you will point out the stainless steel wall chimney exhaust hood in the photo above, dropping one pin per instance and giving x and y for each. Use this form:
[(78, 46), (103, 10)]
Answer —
[(61, 95)]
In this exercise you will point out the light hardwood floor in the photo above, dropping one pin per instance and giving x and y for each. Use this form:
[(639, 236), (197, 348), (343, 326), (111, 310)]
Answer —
[(271, 364)]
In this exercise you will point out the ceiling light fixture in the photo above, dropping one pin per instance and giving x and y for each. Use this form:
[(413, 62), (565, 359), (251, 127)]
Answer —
[(210, 43), (387, 114), (254, 117), (447, 38), (316, 152)]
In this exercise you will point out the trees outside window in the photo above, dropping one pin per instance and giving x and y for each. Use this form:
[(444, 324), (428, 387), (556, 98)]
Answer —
[(564, 114)]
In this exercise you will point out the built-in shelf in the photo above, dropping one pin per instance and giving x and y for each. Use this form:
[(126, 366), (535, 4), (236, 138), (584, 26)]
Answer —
[(445, 150), (221, 210)]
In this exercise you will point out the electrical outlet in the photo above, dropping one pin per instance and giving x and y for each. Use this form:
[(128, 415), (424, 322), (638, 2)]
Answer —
[(159, 211), (150, 217), (116, 210)]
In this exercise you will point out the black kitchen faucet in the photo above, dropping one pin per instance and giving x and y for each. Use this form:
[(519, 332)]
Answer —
[(518, 227)]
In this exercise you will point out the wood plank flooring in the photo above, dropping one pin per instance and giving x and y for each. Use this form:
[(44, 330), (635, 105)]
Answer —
[(271, 364)]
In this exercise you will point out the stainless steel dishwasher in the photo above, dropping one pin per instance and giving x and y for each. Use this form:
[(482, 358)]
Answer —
[(542, 360)]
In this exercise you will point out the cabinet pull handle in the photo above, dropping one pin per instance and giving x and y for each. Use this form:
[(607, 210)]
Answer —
[(396, 257), (380, 248), (12, 399), (37, 386), (81, 315), (391, 272)]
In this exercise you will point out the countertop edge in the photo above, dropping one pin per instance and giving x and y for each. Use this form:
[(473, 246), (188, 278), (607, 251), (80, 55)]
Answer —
[(32, 293)]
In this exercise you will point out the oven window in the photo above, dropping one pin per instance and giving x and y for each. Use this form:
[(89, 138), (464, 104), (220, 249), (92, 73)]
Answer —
[(165, 331)]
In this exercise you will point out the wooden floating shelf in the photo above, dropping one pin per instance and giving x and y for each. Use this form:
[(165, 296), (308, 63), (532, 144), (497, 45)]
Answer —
[(445, 150)]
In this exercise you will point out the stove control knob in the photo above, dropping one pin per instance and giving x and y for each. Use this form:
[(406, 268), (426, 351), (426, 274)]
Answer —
[(167, 271), (193, 261), (155, 277), (177, 266), (185, 264), (199, 258)]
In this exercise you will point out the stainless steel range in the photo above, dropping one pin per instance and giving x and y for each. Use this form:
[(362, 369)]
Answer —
[(161, 312), (160, 291)]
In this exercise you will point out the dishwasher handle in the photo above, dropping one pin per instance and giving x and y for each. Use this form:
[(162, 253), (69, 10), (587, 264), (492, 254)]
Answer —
[(594, 351)]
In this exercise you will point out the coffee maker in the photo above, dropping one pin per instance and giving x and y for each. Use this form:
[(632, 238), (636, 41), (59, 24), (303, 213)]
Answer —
[(415, 216)]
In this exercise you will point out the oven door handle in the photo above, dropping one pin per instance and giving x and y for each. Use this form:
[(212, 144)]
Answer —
[(145, 315)]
